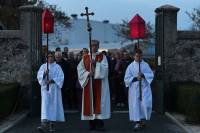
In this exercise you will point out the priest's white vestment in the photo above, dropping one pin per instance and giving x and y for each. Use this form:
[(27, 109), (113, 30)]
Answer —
[(101, 74)]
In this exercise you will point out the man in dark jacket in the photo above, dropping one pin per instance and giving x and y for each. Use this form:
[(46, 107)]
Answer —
[(67, 74)]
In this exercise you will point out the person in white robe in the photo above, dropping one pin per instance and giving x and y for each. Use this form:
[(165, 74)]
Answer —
[(96, 94), (139, 109), (51, 98)]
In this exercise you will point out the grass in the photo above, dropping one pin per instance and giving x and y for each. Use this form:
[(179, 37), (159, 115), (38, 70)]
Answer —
[(8, 96)]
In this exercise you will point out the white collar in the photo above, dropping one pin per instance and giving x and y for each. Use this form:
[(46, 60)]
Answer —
[(138, 62), (52, 63), (94, 54)]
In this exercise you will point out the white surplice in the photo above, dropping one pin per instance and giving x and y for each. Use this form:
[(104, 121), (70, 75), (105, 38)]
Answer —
[(101, 72), (52, 107), (139, 109)]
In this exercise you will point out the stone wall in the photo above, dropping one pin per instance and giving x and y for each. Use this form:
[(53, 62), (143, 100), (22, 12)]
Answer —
[(14, 64), (177, 56), (20, 50), (185, 65), (179, 50)]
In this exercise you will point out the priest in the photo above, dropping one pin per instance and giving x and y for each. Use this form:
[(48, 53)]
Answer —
[(138, 78), (93, 78)]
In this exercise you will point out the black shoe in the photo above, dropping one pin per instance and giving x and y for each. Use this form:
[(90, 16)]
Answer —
[(52, 130), (101, 129), (92, 125), (92, 128), (42, 129), (142, 124), (51, 127), (137, 127)]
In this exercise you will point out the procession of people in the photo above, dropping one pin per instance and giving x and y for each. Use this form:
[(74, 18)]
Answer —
[(85, 83), (92, 83)]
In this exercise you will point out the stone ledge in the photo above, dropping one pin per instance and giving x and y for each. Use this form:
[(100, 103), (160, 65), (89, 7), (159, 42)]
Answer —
[(10, 34), (179, 120), (185, 35), (12, 120)]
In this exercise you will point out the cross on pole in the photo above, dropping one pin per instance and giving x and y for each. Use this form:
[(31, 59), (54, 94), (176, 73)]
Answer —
[(87, 14), (89, 29)]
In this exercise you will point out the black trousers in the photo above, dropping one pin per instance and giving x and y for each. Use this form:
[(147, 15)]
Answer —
[(96, 124)]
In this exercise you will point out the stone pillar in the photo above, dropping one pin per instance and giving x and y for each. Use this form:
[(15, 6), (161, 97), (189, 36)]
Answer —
[(31, 28), (166, 38), (31, 34), (166, 33)]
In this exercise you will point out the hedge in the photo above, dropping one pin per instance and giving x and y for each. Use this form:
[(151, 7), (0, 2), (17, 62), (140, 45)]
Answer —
[(8, 97), (186, 100)]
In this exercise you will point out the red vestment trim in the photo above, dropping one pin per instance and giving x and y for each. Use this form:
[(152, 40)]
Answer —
[(97, 84)]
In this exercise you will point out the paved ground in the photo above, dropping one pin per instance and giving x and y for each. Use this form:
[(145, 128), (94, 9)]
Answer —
[(118, 124)]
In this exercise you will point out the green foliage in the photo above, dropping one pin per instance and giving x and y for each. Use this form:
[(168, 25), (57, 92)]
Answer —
[(8, 96), (5, 87), (14, 3), (186, 98), (9, 17)]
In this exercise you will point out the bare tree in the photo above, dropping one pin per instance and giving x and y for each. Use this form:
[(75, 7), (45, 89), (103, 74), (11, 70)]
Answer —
[(59, 15), (195, 18), (9, 12), (123, 30)]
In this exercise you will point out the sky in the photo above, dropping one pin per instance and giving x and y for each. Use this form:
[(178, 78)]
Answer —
[(117, 10)]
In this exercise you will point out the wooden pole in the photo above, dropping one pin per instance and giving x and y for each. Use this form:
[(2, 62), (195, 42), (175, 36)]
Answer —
[(47, 61), (140, 81), (89, 29)]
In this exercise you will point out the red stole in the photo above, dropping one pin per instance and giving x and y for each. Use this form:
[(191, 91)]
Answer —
[(96, 89)]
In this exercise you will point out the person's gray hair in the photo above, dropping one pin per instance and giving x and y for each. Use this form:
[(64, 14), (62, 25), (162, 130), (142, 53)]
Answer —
[(95, 42), (58, 53)]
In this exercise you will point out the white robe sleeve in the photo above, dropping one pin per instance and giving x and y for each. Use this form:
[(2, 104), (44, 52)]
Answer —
[(148, 73), (59, 76), (128, 76), (101, 70), (82, 74), (40, 75)]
